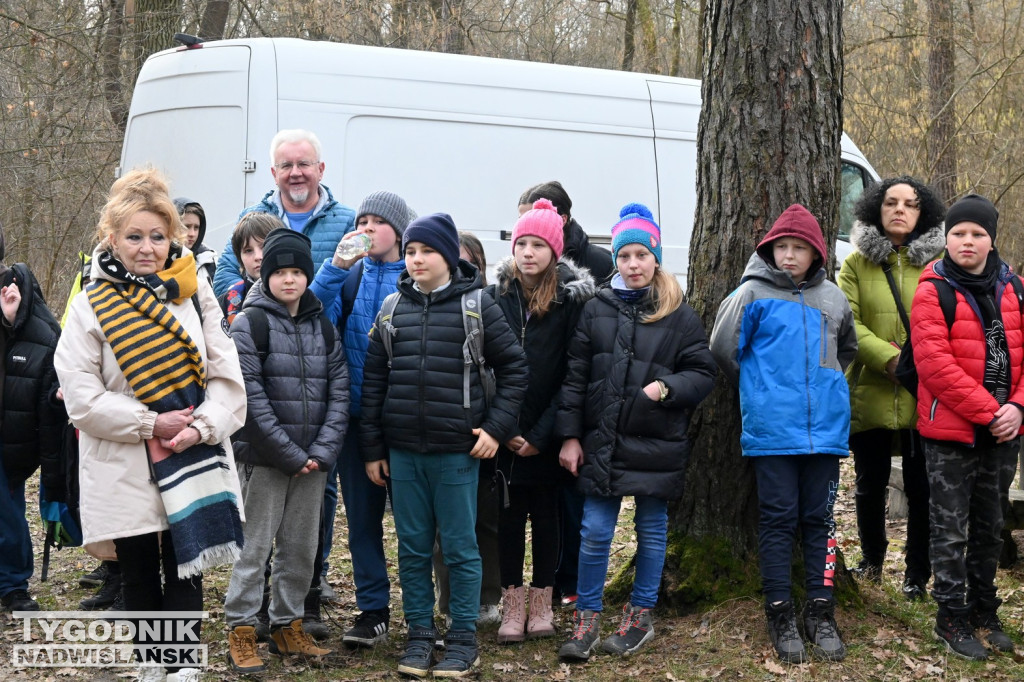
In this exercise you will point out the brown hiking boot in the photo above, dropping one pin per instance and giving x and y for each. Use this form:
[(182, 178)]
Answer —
[(292, 640), (242, 653)]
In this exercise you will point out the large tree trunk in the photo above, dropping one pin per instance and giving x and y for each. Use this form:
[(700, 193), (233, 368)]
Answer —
[(215, 18), (769, 136), (941, 135)]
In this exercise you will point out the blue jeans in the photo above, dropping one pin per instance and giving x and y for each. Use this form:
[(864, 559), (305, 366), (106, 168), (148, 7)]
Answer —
[(364, 511), (599, 517), (15, 540), (436, 493), (796, 493)]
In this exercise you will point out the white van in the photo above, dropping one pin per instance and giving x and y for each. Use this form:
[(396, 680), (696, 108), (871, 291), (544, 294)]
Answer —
[(453, 133)]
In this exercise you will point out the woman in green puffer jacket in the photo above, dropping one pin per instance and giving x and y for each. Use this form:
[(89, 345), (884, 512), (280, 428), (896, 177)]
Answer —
[(899, 229)]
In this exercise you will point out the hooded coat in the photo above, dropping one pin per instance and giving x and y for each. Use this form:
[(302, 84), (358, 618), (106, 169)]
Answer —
[(545, 341), (875, 401), (118, 496), (298, 394), (32, 416), (633, 445), (786, 345), (416, 404), (206, 258), (952, 399)]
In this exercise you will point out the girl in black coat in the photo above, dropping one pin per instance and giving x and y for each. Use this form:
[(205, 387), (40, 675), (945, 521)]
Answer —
[(542, 298), (638, 366)]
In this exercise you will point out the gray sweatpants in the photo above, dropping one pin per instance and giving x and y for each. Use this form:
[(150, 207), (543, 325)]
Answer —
[(282, 510)]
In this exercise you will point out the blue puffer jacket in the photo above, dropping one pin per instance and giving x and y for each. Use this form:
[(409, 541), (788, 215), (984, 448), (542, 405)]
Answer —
[(378, 280), (786, 347), (330, 220)]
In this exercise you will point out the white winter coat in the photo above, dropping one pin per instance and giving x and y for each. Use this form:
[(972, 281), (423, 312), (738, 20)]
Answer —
[(118, 497)]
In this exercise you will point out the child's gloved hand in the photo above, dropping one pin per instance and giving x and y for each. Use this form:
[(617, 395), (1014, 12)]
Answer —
[(486, 446)]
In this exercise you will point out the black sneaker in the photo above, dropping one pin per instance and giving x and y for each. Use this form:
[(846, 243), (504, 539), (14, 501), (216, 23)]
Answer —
[(635, 630), (953, 627), (783, 632), (106, 595), (460, 654), (327, 593), (96, 576), (914, 590), (868, 571), (18, 600), (370, 628), (822, 631), (419, 652), (987, 624), (586, 637)]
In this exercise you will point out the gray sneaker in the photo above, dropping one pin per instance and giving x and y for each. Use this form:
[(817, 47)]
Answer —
[(586, 637), (822, 631), (783, 632), (635, 630)]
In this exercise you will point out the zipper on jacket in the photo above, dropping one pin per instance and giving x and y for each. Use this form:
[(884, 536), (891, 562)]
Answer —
[(935, 406), (807, 372), (302, 378), (424, 316)]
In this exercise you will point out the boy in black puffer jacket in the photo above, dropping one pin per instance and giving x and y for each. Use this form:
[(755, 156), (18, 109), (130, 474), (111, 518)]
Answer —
[(417, 430), (297, 384)]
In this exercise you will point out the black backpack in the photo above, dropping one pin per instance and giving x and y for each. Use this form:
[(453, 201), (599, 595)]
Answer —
[(906, 368)]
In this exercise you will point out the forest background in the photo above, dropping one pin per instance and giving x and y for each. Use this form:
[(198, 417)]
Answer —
[(932, 88)]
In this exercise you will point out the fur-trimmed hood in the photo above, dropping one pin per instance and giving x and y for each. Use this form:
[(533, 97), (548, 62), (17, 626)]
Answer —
[(876, 247), (575, 280)]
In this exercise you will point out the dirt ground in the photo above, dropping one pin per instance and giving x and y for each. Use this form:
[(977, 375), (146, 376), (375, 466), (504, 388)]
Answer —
[(888, 638)]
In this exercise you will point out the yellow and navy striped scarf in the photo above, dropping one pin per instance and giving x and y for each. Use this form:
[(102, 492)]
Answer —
[(164, 368), (157, 356)]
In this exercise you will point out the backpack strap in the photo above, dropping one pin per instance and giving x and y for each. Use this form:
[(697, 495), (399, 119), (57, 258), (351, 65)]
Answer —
[(260, 330), (388, 330), (199, 309), (473, 347), (1018, 289), (348, 293), (947, 300)]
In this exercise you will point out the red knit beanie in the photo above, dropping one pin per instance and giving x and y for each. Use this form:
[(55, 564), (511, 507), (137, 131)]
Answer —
[(541, 221), (795, 221)]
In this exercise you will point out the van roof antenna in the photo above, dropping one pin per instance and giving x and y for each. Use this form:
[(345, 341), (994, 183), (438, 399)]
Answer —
[(189, 41)]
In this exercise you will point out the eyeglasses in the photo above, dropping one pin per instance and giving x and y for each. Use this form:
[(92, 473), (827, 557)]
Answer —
[(287, 166)]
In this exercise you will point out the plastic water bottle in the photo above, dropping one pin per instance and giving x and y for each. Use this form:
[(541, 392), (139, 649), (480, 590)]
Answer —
[(353, 246)]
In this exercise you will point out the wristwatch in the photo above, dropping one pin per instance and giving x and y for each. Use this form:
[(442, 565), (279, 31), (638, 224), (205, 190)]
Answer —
[(663, 389)]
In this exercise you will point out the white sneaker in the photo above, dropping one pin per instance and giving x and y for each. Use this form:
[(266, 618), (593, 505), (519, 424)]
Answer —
[(185, 675), (150, 672), (489, 615)]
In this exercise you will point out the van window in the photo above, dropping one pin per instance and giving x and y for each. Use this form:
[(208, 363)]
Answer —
[(853, 180)]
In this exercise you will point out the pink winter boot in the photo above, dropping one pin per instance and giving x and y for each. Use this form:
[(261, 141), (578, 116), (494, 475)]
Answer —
[(541, 622), (513, 614)]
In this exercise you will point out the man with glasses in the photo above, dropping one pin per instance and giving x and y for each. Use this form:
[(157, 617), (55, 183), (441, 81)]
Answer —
[(300, 200)]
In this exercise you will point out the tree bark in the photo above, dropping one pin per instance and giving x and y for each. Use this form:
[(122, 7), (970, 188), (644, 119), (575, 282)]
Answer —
[(110, 65), (214, 19), (941, 135), (629, 37), (769, 136)]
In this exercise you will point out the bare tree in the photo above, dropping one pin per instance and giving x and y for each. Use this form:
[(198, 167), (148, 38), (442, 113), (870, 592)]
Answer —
[(769, 136), (941, 134)]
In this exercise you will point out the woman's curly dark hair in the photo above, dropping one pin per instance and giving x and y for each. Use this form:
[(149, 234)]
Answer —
[(869, 207)]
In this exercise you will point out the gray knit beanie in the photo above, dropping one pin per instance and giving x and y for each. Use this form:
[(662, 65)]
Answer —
[(390, 207)]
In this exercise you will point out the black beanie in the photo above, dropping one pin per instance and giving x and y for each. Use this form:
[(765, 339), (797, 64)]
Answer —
[(286, 248), (436, 230), (974, 208)]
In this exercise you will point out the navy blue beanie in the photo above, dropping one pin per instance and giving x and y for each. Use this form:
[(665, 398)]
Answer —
[(437, 231)]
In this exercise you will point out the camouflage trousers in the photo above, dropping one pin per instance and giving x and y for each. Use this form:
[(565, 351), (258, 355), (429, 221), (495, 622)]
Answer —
[(969, 495)]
